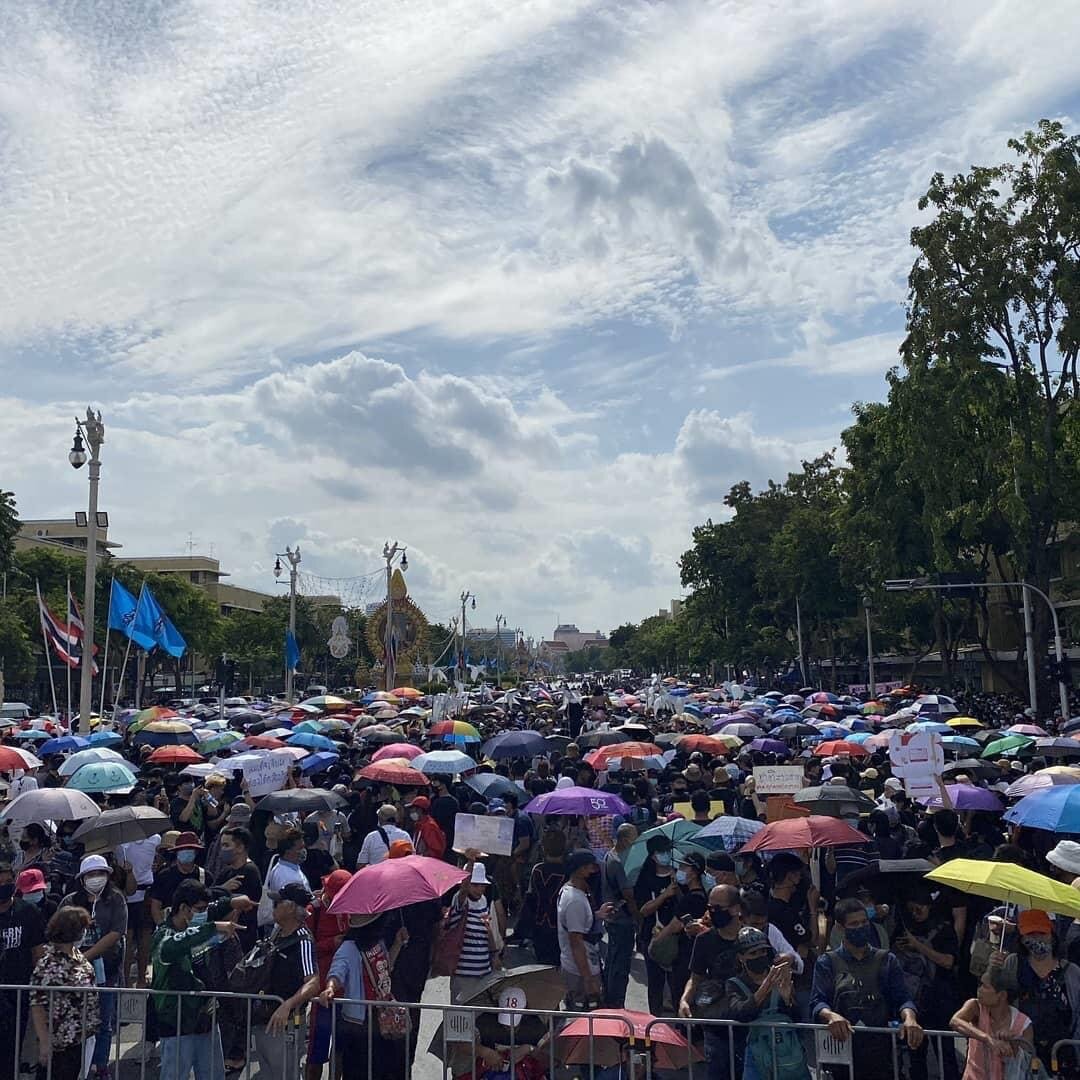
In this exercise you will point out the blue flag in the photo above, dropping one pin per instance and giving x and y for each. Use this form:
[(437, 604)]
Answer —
[(152, 621), (292, 651), (123, 616)]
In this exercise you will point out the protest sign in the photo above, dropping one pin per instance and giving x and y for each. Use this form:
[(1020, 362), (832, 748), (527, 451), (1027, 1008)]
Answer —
[(267, 773), (716, 809), (778, 779), (918, 760), (491, 835)]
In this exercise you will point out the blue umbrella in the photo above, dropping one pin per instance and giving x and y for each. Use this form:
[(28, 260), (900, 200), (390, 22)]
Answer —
[(63, 745), (317, 762), (1055, 809), (727, 833), (859, 737), (515, 744), (33, 733), (105, 738), (961, 742), (932, 726), (311, 741), (443, 763), (103, 776)]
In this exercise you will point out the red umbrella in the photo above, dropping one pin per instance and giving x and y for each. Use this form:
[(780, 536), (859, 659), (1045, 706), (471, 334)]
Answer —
[(395, 883), (263, 742), (399, 750), (836, 747), (175, 755), (705, 743), (610, 1028), (598, 758), (814, 831), (393, 774), (10, 758)]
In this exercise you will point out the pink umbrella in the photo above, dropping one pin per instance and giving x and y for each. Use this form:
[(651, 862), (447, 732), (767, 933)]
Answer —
[(399, 750), (607, 1029), (880, 741), (1026, 729), (395, 883)]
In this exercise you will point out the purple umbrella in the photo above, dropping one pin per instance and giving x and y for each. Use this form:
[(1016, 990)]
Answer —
[(969, 797), (586, 802), (770, 746)]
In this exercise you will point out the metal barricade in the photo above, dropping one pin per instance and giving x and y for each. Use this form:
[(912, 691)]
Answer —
[(1055, 1053)]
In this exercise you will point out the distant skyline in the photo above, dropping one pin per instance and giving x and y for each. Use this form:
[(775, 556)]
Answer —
[(525, 286)]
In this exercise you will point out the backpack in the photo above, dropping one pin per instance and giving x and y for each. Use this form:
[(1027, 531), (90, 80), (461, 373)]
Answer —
[(919, 973), (252, 976), (773, 1042), (857, 988)]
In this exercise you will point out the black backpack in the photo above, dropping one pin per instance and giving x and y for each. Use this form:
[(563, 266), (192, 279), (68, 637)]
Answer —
[(857, 992), (252, 976)]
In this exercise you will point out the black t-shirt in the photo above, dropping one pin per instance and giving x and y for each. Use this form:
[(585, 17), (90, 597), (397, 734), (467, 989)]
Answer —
[(294, 962), (444, 809), (791, 918), (649, 886), (167, 881), (316, 866), (251, 887), (22, 928), (714, 957)]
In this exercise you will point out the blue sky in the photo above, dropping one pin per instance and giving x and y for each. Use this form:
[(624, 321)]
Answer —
[(526, 286)]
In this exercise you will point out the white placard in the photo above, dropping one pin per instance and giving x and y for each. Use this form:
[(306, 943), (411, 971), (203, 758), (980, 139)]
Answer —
[(459, 1026), (491, 835), (266, 774), (831, 1051), (918, 759), (778, 779)]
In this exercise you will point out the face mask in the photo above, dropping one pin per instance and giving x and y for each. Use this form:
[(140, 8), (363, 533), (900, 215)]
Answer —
[(858, 937), (95, 883), (1039, 949), (67, 841), (7, 892), (682, 877), (758, 965), (721, 917), (414, 815), (662, 858), (185, 858), (871, 911), (26, 845), (708, 881), (301, 857), (198, 918), (34, 897)]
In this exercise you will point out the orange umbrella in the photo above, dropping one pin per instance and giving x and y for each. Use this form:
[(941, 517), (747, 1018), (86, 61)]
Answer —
[(707, 744), (837, 747), (598, 758), (176, 755), (407, 692), (389, 772), (610, 1028)]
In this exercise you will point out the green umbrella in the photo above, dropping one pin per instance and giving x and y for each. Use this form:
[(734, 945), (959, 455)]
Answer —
[(1003, 746), (679, 832), (221, 739)]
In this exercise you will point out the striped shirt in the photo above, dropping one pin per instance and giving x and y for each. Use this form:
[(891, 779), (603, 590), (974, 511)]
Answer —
[(474, 961)]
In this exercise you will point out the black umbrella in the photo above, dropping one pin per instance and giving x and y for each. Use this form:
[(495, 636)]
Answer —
[(834, 800), (300, 801), (886, 877), (595, 739), (972, 765), (491, 786), (122, 826), (794, 731), (557, 742)]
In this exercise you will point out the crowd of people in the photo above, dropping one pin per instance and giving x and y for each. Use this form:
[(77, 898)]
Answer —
[(232, 898)]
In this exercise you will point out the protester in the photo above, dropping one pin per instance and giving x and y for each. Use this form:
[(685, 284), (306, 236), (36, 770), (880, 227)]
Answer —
[(621, 924), (995, 1029), (376, 845), (136, 859), (22, 936)]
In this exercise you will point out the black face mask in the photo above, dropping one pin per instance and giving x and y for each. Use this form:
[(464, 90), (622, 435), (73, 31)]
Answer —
[(721, 917), (26, 845), (7, 892), (758, 965)]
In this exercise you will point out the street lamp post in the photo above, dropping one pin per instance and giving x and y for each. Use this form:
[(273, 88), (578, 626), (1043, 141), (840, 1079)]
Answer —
[(294, 562), (466, 596), (500, 622), (869, 647), (389, 553), (94, 432), (921, 584)]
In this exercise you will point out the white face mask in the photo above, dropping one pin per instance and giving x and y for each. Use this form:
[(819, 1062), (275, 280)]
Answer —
[(95, 883)]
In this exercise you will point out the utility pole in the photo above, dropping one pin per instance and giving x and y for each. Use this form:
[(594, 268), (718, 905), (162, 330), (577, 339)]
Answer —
[(466, 596), (294, 562), (389, 552), (869, 648), (500, 621)]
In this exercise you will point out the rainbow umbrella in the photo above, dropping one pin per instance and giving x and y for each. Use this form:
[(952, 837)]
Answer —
[(454, 730)]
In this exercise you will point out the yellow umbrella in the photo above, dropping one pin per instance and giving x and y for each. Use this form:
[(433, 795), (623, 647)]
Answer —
[(1008, 883), (964, 722), (1063, 770)]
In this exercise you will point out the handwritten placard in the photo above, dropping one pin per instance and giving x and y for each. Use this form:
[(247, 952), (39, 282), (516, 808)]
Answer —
[(267, 773), (491, 835), (778, 779)]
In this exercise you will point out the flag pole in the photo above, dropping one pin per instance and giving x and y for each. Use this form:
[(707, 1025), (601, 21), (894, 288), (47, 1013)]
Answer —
[(105, 660), (127, 653), (68, 666), (45, 642)]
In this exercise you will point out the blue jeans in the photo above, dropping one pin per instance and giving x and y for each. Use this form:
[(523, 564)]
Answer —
[(620, 952), (107, 1002), (180, 1054)]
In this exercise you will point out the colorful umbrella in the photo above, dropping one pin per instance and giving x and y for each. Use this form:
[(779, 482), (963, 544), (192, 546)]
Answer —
[(599, 1039), (400, 775), (175, 755), (1027, 729), (597, 758), (218, 741), (12, 759), (326, 702), (395, 883), (443, 763), (148, 716), (807, 832), (1010, 744), (964, 722), (771, 746), (1055, 809), (454, 729), (681, 833), (66, 744), (727, 833), (705, 744), (317, 762), (105, 738), (408, 751), (1057, 776), (580, 801), (311, 742), (112, 777), (93, 756), (1009, 883), (409, 692), (261, 742)]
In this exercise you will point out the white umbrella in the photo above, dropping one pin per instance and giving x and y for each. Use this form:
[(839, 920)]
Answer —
[(50, 804)]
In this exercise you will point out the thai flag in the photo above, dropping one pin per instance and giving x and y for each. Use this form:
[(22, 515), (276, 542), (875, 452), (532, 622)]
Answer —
[(75, 623), (66, 638)]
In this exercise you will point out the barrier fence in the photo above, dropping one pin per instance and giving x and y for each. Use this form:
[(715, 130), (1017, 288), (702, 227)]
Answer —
[(707, 1050)]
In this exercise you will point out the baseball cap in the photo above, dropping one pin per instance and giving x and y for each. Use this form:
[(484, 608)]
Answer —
[(750, 939), (30, 881), (1033, 922), (496, 806), (692, 858), (400, 848), (892, 784), (421, 802), (295, 892), (92, 863), (579, 858)]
